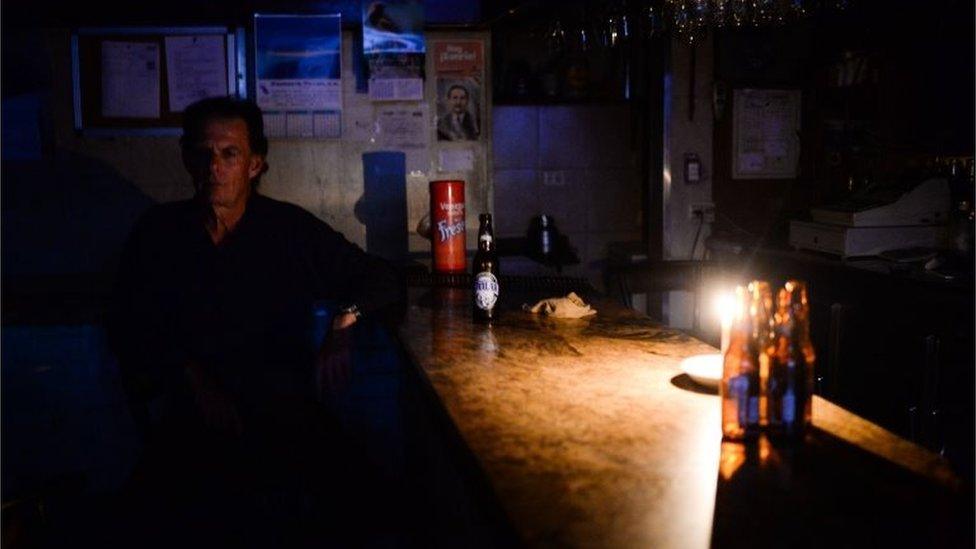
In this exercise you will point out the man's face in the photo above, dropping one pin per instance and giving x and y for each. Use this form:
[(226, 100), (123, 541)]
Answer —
[(222, 164), (458, 100)]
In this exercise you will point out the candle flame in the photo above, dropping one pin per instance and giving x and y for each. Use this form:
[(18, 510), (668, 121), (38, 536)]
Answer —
[(725, 306)]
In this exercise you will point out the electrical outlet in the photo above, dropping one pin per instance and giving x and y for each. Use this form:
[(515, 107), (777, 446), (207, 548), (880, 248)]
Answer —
[(706, 210), (554, 178)]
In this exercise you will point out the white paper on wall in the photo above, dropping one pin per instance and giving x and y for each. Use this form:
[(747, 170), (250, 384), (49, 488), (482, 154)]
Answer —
[(396, 89), (456, 160), (765, 134), (130, 79), (403, 127), (196, 68)]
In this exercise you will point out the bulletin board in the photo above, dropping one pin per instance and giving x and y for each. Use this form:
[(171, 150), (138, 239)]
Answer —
[(138, 80)]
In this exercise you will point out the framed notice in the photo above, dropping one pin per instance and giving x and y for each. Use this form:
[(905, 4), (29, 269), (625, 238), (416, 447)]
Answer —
[(765, 134), (139, 80)]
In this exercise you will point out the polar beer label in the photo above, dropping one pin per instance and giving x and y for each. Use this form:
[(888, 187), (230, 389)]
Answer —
[(485, 290)]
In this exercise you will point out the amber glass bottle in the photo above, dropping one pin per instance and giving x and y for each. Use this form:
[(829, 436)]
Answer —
[(739, 389), (761, 339), (790, 387)]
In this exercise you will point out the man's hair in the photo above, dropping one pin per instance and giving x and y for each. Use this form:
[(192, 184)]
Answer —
[(197, 115), (458, 87)]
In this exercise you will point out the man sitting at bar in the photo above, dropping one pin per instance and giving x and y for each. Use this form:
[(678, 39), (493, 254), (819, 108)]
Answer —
[(214, 315)]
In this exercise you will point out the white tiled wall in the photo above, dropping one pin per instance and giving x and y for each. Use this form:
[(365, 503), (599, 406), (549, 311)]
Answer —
[(576, 163)]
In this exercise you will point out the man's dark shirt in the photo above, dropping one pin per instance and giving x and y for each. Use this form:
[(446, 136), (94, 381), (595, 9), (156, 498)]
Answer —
[(243, 308)]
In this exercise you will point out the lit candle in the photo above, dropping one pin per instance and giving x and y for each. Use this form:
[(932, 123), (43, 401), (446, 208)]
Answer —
[(726, 312)]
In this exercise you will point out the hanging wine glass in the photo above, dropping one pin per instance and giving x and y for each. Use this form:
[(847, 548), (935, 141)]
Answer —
[(720, 12), (584, 37), (701, 11), (681, 17), (556, 38), (800, 8), (690, 18), (764, 12), (653, 19), (740, 13), (613, 30), (617, 24)]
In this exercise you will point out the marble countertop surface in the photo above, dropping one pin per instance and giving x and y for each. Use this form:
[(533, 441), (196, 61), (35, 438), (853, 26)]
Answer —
[(582, 426), (576, 422)]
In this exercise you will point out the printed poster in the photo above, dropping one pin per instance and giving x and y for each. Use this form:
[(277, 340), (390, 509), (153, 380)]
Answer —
[(394, 46), (299, 82), (459, 66)]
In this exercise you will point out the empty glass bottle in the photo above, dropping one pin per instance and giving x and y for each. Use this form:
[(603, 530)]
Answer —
[(790, 384), (761, 339), (740, 376)]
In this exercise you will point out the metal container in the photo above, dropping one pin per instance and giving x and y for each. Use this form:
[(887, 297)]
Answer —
[(448, 237)]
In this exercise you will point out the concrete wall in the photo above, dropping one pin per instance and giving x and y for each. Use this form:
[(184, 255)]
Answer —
[(687, 135), (577, 163), (325, 176)]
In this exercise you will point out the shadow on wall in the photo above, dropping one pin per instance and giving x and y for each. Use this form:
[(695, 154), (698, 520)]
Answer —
[(66, 216), (64, 219), (383, 206)]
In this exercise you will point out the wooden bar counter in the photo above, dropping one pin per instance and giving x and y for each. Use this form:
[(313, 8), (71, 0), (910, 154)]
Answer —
[(590, 436)]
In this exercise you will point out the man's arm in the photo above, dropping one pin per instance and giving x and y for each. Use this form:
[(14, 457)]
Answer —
[(363, 284)]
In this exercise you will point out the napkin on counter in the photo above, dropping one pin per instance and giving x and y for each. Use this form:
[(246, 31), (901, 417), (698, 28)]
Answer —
[(571, 306)]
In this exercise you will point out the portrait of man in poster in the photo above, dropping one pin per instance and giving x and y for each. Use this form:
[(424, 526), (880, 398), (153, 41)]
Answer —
[(458, 107)]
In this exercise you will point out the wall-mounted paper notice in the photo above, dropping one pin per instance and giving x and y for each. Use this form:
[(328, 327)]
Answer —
[(196, 68), (130, 79), (418, 161), (396, 89), (328, 124), (456, 160), (765, 134), (403, 127), (275, 124), (360, 123), (299, 124)]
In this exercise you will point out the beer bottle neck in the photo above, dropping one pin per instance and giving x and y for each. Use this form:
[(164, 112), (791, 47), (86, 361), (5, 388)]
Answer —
[(486, 241)]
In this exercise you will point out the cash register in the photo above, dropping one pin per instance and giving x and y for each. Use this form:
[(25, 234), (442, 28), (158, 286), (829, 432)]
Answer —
[(877, 219)]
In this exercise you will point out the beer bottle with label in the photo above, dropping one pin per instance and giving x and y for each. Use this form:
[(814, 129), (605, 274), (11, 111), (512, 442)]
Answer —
[(485, 273), (740, 376), (791, 364)]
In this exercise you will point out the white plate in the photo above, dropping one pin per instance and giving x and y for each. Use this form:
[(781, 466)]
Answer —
[(704, 369)]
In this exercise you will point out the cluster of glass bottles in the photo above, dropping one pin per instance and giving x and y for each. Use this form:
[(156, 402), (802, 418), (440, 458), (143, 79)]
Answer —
[(767, 376)]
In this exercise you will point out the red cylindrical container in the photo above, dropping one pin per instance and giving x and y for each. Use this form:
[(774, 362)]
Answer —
[(447, 226)]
